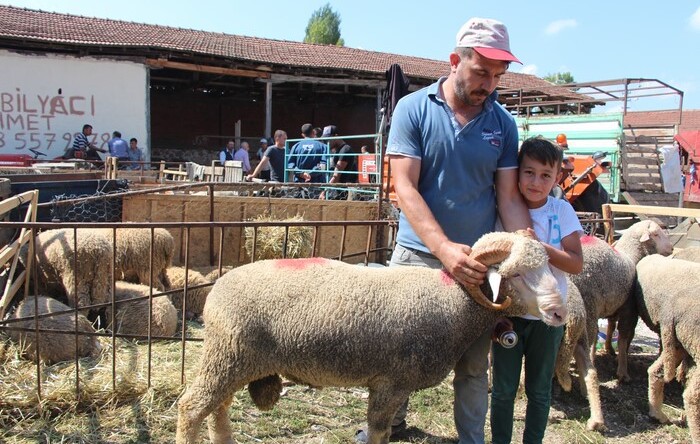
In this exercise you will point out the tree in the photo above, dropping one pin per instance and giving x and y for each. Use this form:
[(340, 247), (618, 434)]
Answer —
[(560, 78), (324, 27)]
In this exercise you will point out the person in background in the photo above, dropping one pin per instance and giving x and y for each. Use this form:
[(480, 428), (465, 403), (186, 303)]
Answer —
[(317, 132), (364, 149), (307, 157), (135, 154), (82, 148), (344, 168), (556, 225), (567, 168), (118, 147), (265, 172), (274, 156), (242, 154), (453, 151), (227, 152)]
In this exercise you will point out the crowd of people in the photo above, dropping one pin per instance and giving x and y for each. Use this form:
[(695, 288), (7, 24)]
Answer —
[(321, 156), (129, 155)]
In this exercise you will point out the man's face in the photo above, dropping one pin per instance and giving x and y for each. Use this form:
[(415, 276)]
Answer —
[(475, 78), (132, 144), (280, 139), (87, 131), (230, 146), (245, 146)]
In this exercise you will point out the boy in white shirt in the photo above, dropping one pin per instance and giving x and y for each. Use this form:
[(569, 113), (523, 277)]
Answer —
[(557, 227)]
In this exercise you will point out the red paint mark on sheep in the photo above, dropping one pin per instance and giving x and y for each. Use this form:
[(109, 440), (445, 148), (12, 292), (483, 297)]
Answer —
[(588, 240), (446, 278), (299, 264)]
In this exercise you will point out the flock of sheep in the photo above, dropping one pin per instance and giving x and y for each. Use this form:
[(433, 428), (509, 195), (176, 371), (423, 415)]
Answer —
[(74, 269), (393, 330)]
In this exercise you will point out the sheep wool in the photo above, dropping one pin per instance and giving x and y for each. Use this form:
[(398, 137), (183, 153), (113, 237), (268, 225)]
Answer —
[(605, 286), (688, 254), (82, 274), (666, 294), (133, 253), (212, 273), (326, 323), (53, 347), (131, 317), (196, 297)]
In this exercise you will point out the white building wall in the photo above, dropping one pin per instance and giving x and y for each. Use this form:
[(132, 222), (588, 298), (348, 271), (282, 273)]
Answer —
[(46, 99)]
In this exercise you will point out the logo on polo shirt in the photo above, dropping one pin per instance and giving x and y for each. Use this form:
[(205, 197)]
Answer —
[(493, 137)]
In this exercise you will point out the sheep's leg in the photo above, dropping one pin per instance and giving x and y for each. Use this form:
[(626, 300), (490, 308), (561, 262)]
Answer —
[(656, 390), (566, 352), (588, 379), (691, 401), (672, 352), (627, 323), (592, 336), (382, 406), (211, 392), (612, 325), (220, 425), (192, 410)]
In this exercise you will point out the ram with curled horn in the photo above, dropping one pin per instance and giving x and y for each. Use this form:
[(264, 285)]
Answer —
[(325, 323)]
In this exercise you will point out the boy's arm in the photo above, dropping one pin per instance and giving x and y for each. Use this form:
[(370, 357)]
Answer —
[(570, 258)]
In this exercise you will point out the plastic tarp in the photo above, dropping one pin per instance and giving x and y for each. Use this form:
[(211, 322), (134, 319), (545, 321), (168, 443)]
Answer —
[(671, 174)]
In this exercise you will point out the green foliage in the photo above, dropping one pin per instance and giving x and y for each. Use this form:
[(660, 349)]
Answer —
[(560, 78), (324, 27)]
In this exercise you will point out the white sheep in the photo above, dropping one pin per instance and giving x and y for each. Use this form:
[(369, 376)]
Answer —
[(89, 283), (53, 347), (688, 254), (133, 253), (575, 343), (320, 322), (607, 282), (196, 297), (212, 273), (666, 296), (131, 317), (605, 286)]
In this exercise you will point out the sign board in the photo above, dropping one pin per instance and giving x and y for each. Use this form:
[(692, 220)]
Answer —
[(46, 99)]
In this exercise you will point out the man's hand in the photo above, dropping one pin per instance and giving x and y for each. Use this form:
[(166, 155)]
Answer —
[(456, 260)]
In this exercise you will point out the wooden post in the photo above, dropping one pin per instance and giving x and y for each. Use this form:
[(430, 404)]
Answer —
[(608, 223)]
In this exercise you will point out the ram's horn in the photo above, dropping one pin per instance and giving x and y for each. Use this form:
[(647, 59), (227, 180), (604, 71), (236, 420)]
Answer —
[(490, 254)]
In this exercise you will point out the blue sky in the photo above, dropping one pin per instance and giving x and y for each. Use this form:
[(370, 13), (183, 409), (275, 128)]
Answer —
[(594, 40)]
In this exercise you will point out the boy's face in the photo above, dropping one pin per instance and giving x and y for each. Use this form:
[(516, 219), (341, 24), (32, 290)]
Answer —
[(535, 181)]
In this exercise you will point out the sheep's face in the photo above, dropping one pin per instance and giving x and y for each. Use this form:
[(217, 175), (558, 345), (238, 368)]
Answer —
[(537, 292), (528, 274), (656, 240)]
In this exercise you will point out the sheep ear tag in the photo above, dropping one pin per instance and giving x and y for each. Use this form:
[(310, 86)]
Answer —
[(494, 278)]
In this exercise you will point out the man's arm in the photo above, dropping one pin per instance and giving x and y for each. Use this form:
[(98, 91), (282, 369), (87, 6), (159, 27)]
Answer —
[(511, 206), (265, 160), (455, 258)]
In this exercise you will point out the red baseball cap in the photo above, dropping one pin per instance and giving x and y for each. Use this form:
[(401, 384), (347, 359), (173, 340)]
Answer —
[(488, 37)]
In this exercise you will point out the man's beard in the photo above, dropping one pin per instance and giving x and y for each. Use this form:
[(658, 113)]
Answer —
[(475, 98)]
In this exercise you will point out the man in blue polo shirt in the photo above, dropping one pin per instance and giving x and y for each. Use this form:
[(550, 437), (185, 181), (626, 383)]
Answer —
[(453, 153)]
